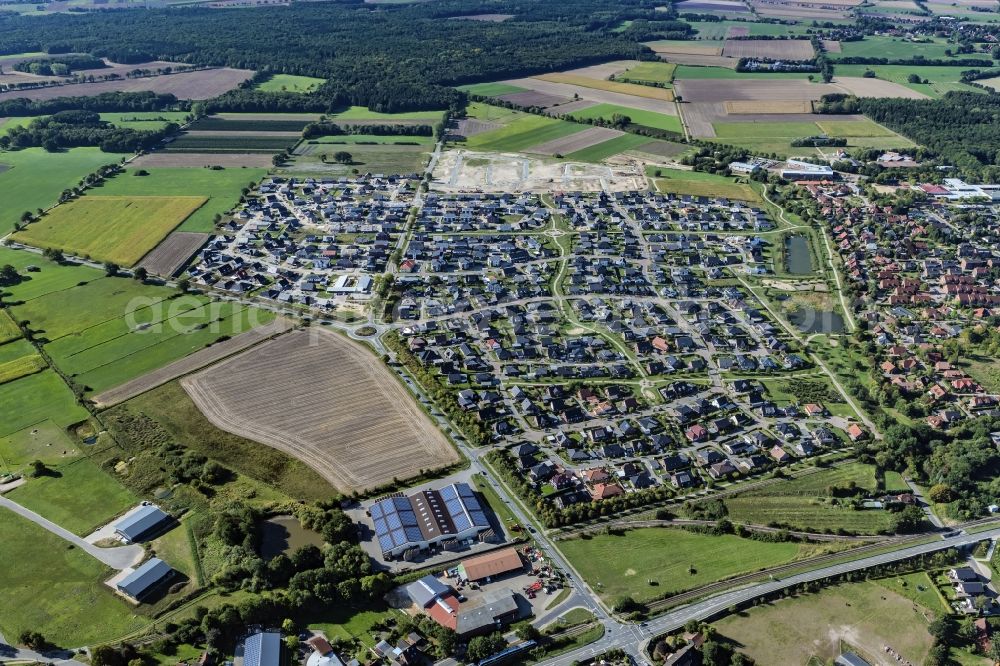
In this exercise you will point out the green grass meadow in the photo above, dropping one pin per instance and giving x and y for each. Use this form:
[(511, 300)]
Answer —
[(78, 496), (638, 116), (220, 186), (72, 607), (36, 178), (622, 565)]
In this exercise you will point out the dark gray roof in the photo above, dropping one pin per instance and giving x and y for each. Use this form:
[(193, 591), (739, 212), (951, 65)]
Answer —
[(140, 522), (143, 579), (495, 604)]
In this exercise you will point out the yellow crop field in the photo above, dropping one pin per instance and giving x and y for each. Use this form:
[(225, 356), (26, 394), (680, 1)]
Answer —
[(8, 328), (632, 89), (117, 229), (21, 367)]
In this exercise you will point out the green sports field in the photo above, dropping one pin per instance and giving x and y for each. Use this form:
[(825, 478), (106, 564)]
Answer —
[(622, 565), (290, 83), (73, 607), (36, 178), (220, 186), (638, 116), (120, 229)]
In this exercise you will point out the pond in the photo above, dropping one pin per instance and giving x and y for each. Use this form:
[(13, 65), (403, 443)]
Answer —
[(797, 258), (284, 534), (808, 320)]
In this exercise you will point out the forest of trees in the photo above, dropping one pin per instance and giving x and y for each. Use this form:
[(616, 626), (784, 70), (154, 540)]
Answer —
[(394, 59), (104, 102)]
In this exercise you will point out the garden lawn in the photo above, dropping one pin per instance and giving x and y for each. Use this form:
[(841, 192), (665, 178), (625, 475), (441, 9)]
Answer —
[(621, 565), (78, 496), (69, 605), (697, 183), (222, 188), (608, 148), (638, 116), (523, 132), (37, 178), (909, 586), (116, 229), (290, 83)]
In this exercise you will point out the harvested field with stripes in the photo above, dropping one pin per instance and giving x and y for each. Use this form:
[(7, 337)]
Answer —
[(328, 402), (709, 90), (775, 49), (574, 142), (173, 252), (199, 84), (603, 96), (534, 98), (760, 106), (191, 363)]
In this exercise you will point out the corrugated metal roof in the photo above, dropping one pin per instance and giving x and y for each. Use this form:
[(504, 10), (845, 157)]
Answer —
[(262, 649), (139, 522), (147, 576)]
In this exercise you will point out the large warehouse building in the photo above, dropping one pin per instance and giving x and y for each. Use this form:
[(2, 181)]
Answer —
[(427, 518)]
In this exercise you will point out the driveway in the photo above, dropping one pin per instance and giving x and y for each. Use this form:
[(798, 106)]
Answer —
[(116, 558)]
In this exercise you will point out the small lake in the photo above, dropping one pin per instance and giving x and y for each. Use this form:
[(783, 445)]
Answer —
[(797, 259), (808, 320), (284, 534)]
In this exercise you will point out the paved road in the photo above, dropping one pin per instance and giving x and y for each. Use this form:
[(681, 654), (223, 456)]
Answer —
[(710, 607), (118, 558), (924, 504)]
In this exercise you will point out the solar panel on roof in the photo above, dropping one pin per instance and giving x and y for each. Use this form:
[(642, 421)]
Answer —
[(376, 510), (479, 518), (461, 522), (448, 492)]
